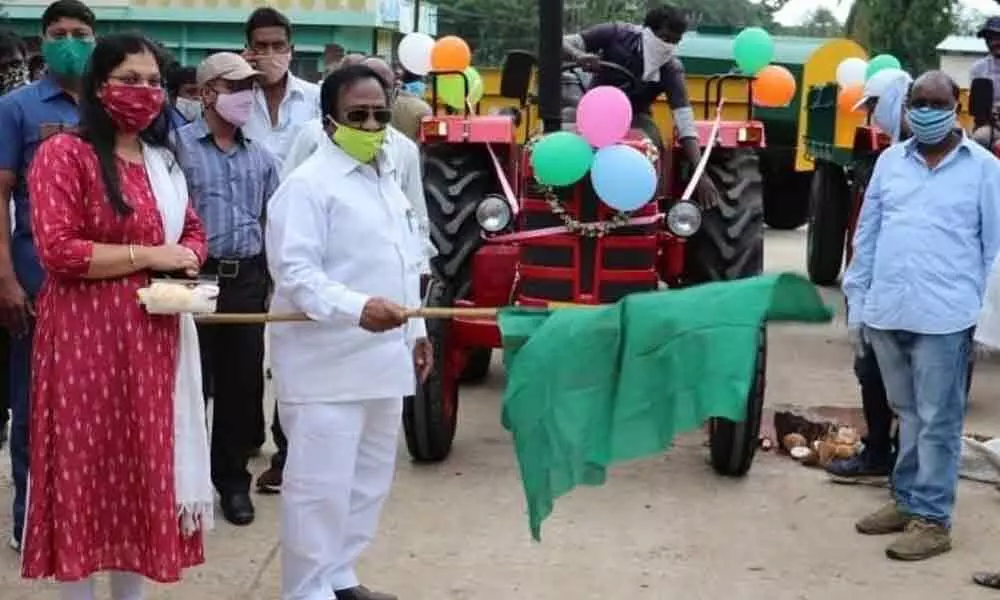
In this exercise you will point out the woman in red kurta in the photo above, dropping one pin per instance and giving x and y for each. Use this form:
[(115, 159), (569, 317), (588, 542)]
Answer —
[(102, 494)]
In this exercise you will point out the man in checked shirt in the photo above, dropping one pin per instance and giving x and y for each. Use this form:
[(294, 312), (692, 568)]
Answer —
[(231, 177)]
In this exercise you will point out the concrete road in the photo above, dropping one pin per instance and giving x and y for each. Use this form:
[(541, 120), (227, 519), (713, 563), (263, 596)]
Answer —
[(661, 529)]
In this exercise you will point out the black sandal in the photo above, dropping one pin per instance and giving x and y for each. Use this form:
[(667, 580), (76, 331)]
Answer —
[(987, 579)]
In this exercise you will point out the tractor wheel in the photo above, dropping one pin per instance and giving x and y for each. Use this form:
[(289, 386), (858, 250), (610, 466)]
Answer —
[(477, 366), (430, 416), (829, 201), (730, 244), (456, 178), (733, 444), (786, 204)]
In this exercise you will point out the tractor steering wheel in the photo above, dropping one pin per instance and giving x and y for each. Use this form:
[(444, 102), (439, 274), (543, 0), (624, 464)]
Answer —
[(631, 81)]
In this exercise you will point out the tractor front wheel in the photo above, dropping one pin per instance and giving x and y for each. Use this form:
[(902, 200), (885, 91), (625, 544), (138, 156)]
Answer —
[(829, 205), (733, 444), (431, 415)]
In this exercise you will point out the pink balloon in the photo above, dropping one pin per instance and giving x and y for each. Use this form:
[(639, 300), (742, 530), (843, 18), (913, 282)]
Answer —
[(604, 116)]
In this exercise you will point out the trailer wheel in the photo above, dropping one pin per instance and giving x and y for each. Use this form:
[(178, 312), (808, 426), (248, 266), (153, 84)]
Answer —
[(477, 365), (733, 444), (786, 193), (431, 415), (730, 244), (829, 202)]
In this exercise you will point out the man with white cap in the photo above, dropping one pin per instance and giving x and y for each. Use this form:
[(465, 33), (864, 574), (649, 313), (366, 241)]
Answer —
[(231, 178), (884, 96)]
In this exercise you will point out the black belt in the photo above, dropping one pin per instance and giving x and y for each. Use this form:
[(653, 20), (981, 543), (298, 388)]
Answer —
[(230, 268)]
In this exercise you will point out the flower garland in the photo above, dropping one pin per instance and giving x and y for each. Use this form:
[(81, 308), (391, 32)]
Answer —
[(596, 229)]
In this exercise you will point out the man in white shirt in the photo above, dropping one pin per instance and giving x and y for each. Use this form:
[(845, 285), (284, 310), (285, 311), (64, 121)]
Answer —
[(282, 101), (404, 152), (343, 247)]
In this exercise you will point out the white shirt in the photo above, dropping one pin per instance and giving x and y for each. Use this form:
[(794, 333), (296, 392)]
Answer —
[(300, 104), (339, 233), (402, 152)]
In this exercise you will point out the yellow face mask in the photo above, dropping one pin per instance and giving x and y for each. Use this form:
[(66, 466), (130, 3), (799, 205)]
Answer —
[(359, 144)]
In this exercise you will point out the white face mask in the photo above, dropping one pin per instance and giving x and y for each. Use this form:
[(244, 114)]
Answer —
[(655, 54), (189, 109)]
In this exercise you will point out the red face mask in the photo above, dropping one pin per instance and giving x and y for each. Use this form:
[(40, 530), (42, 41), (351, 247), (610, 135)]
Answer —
[(133, 108)]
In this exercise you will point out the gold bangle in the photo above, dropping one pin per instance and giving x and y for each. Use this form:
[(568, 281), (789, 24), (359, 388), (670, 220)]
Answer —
[(131, 254)]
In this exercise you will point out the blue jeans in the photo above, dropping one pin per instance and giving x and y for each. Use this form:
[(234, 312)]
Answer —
[(29, 275), (925, 377)]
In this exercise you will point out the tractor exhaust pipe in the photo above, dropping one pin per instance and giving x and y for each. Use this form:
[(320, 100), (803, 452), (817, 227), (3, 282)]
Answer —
[(550, 35)]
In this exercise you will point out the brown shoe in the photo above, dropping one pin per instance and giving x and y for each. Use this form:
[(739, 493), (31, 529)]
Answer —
[(362, 593), (885, 520), (269, 481), (922, 539)]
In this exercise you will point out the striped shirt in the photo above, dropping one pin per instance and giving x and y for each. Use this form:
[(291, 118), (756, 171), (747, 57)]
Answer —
[(229, 189)]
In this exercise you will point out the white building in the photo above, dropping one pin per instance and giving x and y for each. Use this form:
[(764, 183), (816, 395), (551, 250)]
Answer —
[(956, 55)]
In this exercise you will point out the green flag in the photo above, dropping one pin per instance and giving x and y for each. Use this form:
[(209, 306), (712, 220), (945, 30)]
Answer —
[(591, 387)]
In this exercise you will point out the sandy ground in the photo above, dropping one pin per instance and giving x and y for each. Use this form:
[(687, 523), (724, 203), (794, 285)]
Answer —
[(660, 529)]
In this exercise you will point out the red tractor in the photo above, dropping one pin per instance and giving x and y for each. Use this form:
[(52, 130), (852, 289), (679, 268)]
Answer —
[(551, 247)]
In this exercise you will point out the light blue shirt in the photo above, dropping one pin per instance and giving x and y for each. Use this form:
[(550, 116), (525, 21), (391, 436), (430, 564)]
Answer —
[(925, 241)]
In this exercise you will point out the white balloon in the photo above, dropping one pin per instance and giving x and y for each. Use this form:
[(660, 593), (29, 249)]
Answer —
[(414, 53), (851, 72), (880, 81)]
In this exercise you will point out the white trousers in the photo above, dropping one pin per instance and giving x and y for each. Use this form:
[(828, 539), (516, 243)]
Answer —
[(124, 586), (341, 459)]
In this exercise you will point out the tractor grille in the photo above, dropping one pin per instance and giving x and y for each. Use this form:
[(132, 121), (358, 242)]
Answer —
[(573, 268)]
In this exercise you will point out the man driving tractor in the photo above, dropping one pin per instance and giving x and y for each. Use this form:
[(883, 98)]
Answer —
[(649, 54)]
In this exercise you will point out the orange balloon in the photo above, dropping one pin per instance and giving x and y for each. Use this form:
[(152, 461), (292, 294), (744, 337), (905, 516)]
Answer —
[(774, 87), (848, 97), (451, 53)]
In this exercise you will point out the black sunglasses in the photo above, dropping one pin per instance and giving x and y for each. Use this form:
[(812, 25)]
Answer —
[(360, 115)]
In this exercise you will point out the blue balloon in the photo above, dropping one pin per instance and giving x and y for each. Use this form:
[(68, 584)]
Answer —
[(623, 177)]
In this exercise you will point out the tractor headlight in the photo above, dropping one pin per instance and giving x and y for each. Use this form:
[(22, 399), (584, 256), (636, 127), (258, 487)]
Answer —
[(684, 219), (493, 214)]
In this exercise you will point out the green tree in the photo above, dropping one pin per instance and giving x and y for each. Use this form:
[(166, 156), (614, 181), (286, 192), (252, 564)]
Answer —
[(819, 23), (907, 29)]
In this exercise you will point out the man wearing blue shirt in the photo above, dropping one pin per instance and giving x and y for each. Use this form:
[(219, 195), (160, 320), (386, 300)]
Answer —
[(927, 236), (28, 115)]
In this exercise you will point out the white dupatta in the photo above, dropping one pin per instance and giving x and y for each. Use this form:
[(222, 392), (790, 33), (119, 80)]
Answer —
[(192, 478)]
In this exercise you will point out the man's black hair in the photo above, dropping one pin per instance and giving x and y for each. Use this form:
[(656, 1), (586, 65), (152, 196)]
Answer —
[(329, 94), (672, 18), (180, 76), (267, 16), (67, 9), (11, 44)]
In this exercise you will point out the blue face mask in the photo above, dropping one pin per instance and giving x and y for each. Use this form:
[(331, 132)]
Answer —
[(417, 88), (931, 125)]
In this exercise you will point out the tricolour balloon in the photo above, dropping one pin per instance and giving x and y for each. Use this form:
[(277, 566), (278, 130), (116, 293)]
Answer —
[(450, 53), (604, 116), (851, 71), (774, 87), (623, 177), (414, 53), (848, 97), (753, 49), (561, 158), (881, 62), (451, 89)]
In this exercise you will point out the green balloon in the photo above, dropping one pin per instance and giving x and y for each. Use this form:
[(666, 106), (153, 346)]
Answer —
[(753, 49), (451, 88), (881, 62), (561, 158)]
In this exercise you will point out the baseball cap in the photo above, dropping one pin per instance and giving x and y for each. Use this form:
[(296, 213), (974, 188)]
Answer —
[(992, 26), (224, 65)]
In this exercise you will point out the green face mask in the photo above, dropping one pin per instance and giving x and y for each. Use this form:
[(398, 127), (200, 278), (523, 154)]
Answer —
[(359, 144), (67, 57)]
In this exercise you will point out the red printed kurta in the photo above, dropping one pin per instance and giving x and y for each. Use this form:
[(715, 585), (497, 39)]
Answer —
[(101, 491)]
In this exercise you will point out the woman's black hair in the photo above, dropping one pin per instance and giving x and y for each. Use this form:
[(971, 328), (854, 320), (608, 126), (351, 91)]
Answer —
[(67, 9), (96, 127), (329, 94)]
